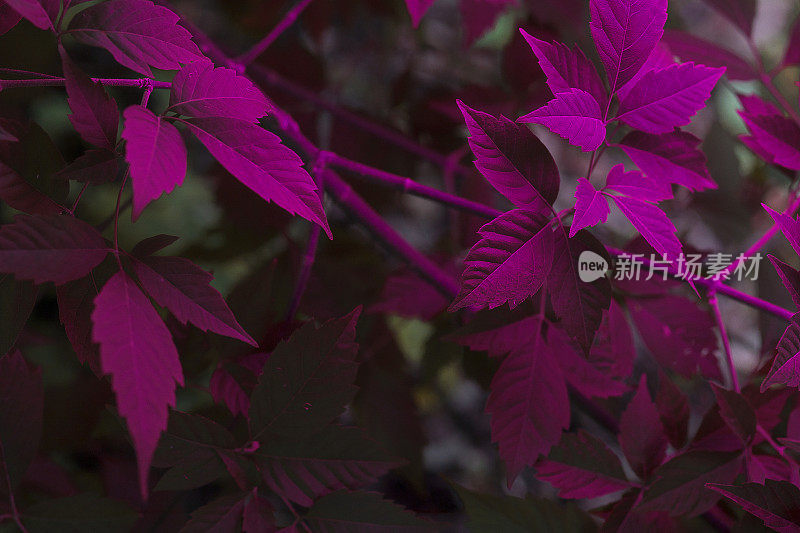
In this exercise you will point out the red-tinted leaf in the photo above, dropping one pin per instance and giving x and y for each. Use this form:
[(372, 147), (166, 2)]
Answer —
[(509, 263), (498, 332), (680, 486), (642, 435), (151, 245), (578, 304), (200, 90), (669, 158), (582, 466), (653, 224), (41, 13), (56, 248), (406, 294), (138, 33), (258, 159), (591, 207), (777, 503), (775, 137), (790, 277), (231, 383), (136, 349), (94, 113), (183, 288), (75, 305), (93, 167), (789, 226), (8, 17), (625, 32), (512, 159), (307, 381), (22, 398), (258, 515), (636, 185), (792, 54), (528, 405), (17, 299), (673, 410), (736, 412), (156, 155), (333, 459), (574, 115), (784, 366)]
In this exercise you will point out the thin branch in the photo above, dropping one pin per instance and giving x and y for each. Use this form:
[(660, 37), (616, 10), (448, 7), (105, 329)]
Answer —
[(726, 343), (251, 55), (139, 83)]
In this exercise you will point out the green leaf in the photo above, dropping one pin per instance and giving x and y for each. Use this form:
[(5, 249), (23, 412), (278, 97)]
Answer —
[(307, 381), (492, 514), (333, 459), (359, 512), (77, 514)]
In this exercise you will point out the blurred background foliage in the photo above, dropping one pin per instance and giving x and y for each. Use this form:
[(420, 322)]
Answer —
[(421, 395)]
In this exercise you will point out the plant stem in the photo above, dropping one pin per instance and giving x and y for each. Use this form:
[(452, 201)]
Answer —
[(78, 199), (11, 501), (138, 83), (726, 344), (251, 55)]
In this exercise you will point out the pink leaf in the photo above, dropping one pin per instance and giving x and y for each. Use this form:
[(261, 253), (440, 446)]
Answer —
[(258, 159), (156, 154), (625, 32), (591, 207), (740, 12), (57, 248), (512, 159), (660, 57), (136, 349), (574, 115), (183, 288), (786, 365), (669, 158), (582, 466), (777, 503), (41, 13), (200, 90), (528, 404), (578, 304), (417, 9), (509, 263), (691, 48), (636, 185), (567, 68), (138, 33), (790, 227), (652, 223), (642, 435), (668, 98), (790, 277), (775, 137)]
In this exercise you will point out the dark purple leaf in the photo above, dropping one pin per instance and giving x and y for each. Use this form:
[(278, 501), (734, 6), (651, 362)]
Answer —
[(784, 366), (93, 167), (75, 305), (740, 12), (777, 503), (790, 277), (737, 412), (41, 13), (774, 137), (151, 245), (789, 226), (56, 248), (653, 224), (642, 435), (17, 299), (363, 512), (673, 410), (8, 17)]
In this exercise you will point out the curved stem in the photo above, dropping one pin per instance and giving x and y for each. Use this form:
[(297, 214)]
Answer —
[(251, 55)]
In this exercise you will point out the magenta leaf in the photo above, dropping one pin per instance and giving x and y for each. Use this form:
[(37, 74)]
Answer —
[(668, 98), (528, 405), (93, 166), (361, 511), (512, 159), (669, 158), (231, 383), (673, 410), (567, 68), (790, 277), (574, 115), (307, 381), (417, 9), (183, 288), (75, 305), (591, 207), (498, 332), (258, 159), (792, 54), (642, 435), (57, 248), (680, 486), (156, 155), (578, 304), (636, 185), (691, 48), (94, 113), (41, 13), (333, 459), (740, 12), (625, 32), (582, 466), (660, 57), (787, 357), (652, 223), (200, 90), (22, 397), (678, 333), (737, 412), (136, 349), (138, 33), (774, 137), (790, 227), (777, 503), (8, 17), (509, 263)]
